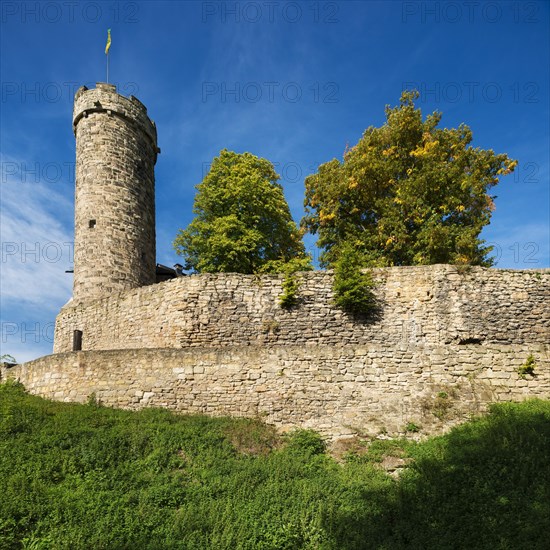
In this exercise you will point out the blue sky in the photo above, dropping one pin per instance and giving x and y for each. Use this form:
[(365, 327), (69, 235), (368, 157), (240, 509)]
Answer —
[(294, 82)]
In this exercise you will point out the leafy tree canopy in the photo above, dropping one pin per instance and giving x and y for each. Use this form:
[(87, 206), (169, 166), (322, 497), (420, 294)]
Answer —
[(408, 193), (243, 223)]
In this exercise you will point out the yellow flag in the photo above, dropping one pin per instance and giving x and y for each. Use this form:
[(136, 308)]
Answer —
[(108, 41)]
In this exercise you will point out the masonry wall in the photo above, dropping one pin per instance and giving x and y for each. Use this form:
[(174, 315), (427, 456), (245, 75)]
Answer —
[(444, 344), (422, 305), (337, 390)]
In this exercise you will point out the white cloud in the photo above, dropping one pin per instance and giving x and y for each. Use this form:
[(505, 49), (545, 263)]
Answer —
[(37, 245)]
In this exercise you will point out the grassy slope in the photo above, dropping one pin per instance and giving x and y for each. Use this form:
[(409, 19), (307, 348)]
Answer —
[(83, 476)]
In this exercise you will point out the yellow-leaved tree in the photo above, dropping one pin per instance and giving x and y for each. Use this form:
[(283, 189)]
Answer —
[(408, 193)]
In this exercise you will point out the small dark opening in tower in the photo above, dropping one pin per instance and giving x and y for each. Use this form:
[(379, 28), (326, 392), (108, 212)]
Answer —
[(77, 340), (143, 256), (91, 224)]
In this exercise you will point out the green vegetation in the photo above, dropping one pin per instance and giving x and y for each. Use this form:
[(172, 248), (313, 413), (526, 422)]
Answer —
[(353, 288), (409, 193), (289, 298), (242, 220), (86, 476), (528, 367), (412, 427), (440, 405)]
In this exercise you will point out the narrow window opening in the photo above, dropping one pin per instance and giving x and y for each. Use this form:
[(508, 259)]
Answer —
[(77, 340), (143, 256), (465, 341), (91, 224)]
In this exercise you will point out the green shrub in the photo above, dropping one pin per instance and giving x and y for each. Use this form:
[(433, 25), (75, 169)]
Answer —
[(412, 427), (528, 367), (13, 387), (353, 287), (484, 485), (93, 400), (441, 404), (289, 298), (306, 441)]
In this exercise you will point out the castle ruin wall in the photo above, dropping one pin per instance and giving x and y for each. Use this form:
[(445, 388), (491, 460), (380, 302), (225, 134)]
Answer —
[(446, 343), (339, 391), (420, 305)]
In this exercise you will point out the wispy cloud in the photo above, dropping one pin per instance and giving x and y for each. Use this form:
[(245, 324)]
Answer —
[(37, 247)]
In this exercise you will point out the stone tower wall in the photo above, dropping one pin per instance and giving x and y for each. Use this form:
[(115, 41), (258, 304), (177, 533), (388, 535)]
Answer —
[(116, 151)]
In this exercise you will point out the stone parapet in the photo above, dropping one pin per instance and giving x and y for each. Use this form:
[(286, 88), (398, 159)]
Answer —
[(105, 99)]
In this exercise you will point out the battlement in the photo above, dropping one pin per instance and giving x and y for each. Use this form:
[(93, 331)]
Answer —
[(105, 99)]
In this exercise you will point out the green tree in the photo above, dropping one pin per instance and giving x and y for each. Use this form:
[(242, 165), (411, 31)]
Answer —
[(242, 223), (352, 286), (408, 193)]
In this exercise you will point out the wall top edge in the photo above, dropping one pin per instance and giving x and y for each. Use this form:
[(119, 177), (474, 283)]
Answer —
[(435, 271)]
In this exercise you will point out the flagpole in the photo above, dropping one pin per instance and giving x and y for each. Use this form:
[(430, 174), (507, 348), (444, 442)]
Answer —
[(107, 48)]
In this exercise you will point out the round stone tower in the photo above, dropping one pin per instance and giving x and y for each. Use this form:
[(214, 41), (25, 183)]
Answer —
[(116, 152)]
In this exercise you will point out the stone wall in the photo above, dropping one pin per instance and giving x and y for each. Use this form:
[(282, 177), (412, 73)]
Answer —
[(444, 343), (423, 305), (338, 390)]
